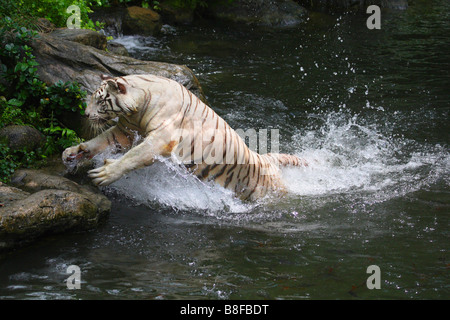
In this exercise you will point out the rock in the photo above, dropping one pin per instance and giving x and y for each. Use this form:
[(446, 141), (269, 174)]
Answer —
[(21, 137), (143, 21), (70, 61), (46, 203), (355, 4), (395, 4), (83, 36), (36, 180), (10, 194), (173, 15), (117, 48), (274, 13), (112, 18), (43, 212), (117, 21)]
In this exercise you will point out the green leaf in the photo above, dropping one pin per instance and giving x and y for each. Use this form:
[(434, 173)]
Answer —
[(15, 102)]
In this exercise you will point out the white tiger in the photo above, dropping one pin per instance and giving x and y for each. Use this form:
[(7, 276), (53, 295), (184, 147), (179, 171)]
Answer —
[(174, 122)]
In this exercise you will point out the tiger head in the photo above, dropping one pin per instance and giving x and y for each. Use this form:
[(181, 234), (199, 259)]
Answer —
[(109, 101)]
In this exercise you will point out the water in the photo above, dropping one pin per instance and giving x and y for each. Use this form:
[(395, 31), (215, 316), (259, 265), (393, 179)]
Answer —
[(367, 108)]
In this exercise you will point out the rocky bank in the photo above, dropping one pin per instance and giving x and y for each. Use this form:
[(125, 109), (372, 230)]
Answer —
[(40, 202)]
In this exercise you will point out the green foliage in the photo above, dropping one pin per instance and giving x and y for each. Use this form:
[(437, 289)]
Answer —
[(155, 4), (10, 160), (26, 100), (8, 163), (190, 4), (62, 97), (66, 138), (26, 11), (193, 4)]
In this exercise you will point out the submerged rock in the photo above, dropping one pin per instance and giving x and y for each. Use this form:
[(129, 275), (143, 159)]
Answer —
[(176, 15), (117, 48), (356, 4), (46, 203), (273, 13), (394, 4)]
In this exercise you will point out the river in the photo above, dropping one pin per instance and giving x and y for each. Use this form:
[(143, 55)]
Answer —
[(368, 109)]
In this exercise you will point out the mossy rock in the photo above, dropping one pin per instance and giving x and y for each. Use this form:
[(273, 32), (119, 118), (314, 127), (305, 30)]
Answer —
[(42, 202), (84, 36), (142, 21), (19, 137)]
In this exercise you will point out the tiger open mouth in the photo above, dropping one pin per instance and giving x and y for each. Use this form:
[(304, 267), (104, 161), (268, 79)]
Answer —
[(96, 120), (98, 124)]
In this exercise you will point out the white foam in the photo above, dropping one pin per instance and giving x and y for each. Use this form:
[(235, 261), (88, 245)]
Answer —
[(345, 155), (169, 184), (353, 157), (140, 45)]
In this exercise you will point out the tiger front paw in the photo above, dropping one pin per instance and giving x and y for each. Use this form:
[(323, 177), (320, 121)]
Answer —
[(106, 174), (75, 153)]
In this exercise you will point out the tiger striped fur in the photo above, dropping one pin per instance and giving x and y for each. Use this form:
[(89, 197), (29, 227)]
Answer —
[(174, 122)]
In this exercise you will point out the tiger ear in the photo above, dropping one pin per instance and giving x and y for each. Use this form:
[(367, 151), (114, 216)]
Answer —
[(121, 87), (116, 86)]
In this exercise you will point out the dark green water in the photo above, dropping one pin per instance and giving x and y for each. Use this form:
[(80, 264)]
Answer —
[(367, 108)]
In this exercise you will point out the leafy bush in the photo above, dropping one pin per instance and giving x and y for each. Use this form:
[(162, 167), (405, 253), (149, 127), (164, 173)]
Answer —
[(26, 11), (185, 4), (10, 160), (26, 100)]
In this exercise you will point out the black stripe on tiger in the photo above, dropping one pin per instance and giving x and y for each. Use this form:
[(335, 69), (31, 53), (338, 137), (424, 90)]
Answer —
[(220, 173), (205, 171), (227, 182)]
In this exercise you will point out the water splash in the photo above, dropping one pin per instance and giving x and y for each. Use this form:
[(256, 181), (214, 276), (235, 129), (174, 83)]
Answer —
[(139, 46), (169, 184), (346, 155)]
